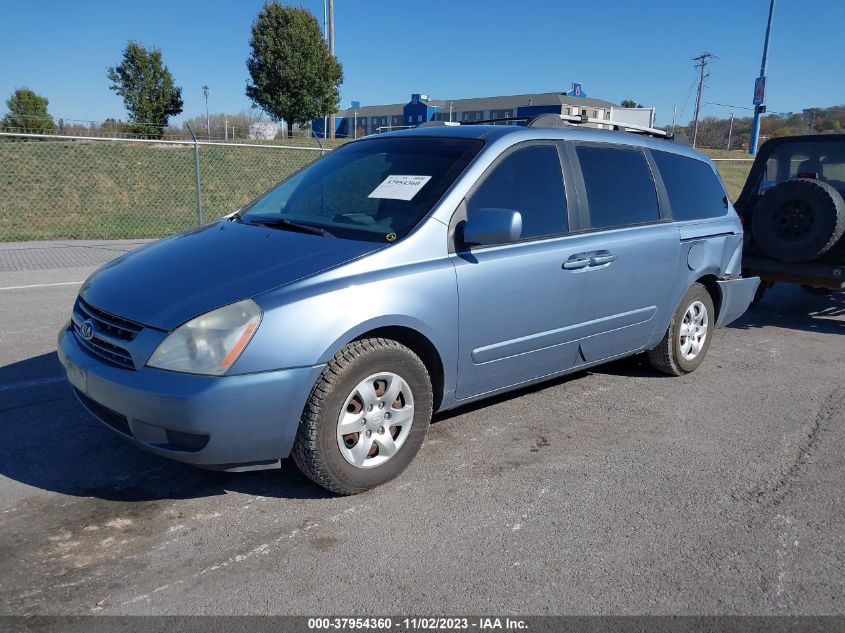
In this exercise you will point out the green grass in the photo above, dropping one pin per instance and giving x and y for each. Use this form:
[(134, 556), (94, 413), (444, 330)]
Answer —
[(734, 172), (104, 190), (734, 175)]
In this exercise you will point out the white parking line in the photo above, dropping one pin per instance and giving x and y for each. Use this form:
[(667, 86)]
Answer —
[(31, 383), (58, 283)]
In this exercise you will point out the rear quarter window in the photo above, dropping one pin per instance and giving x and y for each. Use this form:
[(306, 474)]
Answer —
[(695, 192)]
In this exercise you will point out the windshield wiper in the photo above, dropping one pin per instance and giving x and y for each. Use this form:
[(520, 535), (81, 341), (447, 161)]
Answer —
[(284, 223)]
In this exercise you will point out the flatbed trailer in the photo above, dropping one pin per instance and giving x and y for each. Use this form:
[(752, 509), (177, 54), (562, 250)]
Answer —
[(814, 277), (811, 274)]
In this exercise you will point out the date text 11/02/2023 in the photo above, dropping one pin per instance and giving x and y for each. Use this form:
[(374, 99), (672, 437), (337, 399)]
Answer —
[(418, 623)]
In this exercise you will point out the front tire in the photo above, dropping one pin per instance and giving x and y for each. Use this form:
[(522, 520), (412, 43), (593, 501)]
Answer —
[(688, 337), (366, 417)]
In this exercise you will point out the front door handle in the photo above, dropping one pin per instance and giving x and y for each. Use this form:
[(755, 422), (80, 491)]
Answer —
[(602, 257), (581, 260)]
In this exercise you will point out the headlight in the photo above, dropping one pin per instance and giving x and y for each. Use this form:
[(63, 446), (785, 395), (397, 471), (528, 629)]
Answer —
[(211, 343)]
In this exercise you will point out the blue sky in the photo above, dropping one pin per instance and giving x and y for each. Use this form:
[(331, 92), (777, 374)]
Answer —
[(449, 49)]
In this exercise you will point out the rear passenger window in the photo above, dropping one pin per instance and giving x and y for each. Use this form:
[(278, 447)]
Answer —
[(620, 189), (527, 180), (694, 190)]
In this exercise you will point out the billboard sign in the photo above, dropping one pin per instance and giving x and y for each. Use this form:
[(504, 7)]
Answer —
[(759, 90), (577, 90)]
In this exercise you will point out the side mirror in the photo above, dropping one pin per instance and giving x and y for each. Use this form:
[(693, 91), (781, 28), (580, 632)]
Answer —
[(493, 226)]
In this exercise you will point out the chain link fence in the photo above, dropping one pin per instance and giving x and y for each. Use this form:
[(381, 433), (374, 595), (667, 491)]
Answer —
[(103, 188)]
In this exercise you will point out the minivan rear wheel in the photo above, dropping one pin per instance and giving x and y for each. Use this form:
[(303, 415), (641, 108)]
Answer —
[(366, 417), (688, 337)]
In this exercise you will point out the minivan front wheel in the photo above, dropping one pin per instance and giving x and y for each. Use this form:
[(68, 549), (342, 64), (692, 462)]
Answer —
[(688, 337), (366, 417)]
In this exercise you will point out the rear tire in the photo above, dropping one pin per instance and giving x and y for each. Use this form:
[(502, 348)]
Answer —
[(350, 438), (688, 337)]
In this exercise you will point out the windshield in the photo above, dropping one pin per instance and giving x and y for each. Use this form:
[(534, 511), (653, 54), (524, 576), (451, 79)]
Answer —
[(376, 190)]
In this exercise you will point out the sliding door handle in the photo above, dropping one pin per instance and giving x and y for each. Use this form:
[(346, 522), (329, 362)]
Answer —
[(581, 260)]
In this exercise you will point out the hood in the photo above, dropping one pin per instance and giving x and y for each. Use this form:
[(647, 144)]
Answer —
[(168, 282)]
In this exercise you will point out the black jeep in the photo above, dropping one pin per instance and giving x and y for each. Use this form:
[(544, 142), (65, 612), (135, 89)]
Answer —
[(794, 214)]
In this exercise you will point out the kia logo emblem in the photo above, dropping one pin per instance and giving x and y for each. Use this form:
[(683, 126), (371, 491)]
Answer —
[(87, 330)]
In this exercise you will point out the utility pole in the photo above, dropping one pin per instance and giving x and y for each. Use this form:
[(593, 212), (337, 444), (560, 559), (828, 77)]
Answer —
[(760, 88), (702, 60), (207, 122), (331, 52), (730, 130)]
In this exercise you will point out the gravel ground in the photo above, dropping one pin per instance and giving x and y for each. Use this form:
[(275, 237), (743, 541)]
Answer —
[(613, 491)]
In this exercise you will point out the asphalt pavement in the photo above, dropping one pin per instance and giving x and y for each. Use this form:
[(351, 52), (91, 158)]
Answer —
[(611, 491)]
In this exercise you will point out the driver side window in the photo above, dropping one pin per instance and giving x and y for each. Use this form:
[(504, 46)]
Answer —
[(528, 180)]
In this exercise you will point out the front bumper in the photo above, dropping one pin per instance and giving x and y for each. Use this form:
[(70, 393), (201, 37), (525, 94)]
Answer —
[(227, 422), (736, 297)]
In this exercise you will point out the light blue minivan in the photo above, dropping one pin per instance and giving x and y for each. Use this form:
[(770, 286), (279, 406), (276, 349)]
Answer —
[(401, 275)]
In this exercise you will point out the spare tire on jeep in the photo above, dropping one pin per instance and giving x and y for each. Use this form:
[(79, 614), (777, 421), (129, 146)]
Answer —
[(798, 220)]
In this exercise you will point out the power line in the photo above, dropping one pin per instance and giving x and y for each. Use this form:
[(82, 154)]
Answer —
[(702, 60), (727, 105), (686, 101)]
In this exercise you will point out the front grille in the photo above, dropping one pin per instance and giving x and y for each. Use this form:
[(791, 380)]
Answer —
[(112, 418), (121, 328), (110, 332)]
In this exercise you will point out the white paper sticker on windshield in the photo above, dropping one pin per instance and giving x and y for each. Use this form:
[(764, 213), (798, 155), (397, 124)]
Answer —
[(399, 187)]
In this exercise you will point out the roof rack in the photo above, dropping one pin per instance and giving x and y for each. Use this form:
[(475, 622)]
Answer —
[(614, 125), (509, 119), (550, 120), (437, 123)]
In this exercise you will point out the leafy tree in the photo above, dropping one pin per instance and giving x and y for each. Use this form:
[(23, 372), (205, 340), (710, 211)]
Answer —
[(713, 132), (146, 85), (630, 103), (112, 127), (293, 76), (28, 110)]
